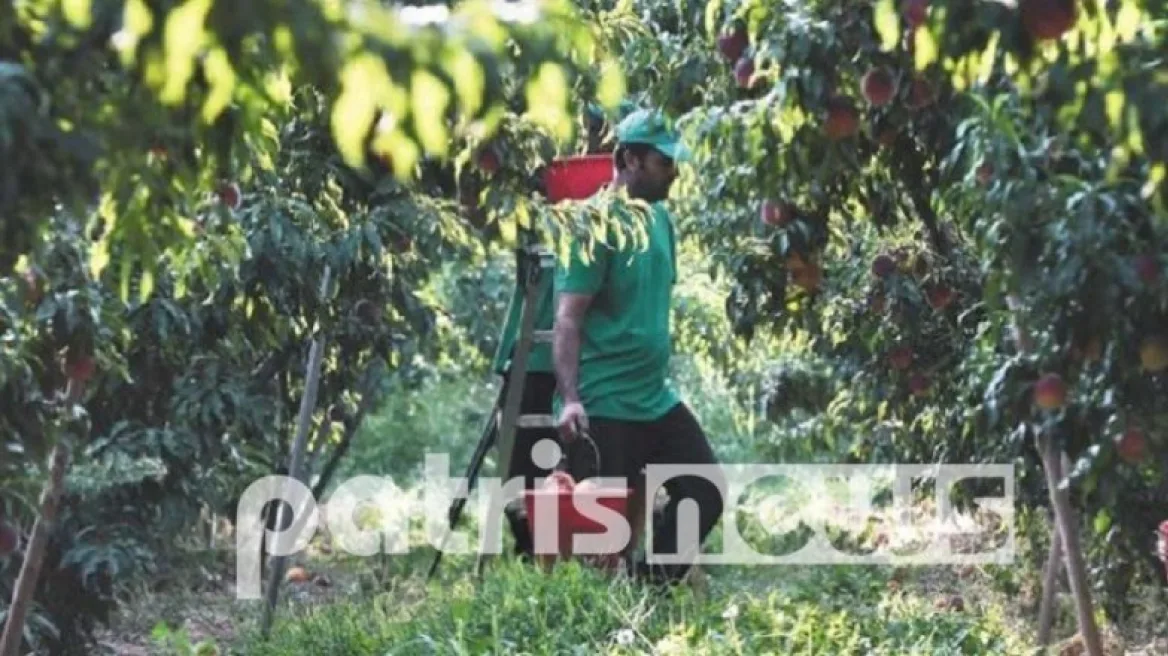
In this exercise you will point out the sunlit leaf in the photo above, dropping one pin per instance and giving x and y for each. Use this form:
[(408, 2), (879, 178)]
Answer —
[(222, 79), (547, 97), (469, 83), (77, 12), (925, 49), (185, 34), (430, 100), (1114, 101), (146, 284), (887, 24), (1128, 20), (610, 89)]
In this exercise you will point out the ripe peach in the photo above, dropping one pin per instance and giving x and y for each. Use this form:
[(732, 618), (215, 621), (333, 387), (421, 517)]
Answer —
[(1050, 391), (878, 86)]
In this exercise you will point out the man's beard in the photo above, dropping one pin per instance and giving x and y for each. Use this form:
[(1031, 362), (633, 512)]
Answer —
[(649, 192)]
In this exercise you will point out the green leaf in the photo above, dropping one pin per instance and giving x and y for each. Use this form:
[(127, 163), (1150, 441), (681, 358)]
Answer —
[(925, 49), (1127, 21), (430, 101), (611, 87), (354, 110), (1114, 101), (547, 96), (1102, 522), (77, 12), (887, 24), (146, 284), (185, 35), (469, 83), (222, 79)]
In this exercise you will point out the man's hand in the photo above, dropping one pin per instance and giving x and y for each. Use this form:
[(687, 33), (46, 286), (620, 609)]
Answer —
[(572, 420)]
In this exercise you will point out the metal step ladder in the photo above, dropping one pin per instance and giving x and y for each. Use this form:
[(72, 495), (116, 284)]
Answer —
[(535, 265)]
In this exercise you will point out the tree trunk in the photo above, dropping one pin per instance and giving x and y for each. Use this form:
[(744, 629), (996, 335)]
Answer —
[(34, 554)]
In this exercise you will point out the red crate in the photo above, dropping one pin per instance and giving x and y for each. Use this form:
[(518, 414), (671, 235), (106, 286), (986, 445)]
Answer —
[(577, 178)]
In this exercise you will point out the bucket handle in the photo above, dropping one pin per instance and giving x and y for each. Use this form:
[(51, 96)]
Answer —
[(581, 436)]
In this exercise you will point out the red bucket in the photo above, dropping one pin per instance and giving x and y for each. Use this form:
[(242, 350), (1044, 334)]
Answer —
[(577, 178), (572, 521)]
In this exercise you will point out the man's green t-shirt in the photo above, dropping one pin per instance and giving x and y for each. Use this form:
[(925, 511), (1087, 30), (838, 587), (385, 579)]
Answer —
[(540, 358), (625, 341)]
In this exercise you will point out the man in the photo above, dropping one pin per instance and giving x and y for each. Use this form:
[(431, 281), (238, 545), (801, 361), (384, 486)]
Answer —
[(539, 386), (612, 348)]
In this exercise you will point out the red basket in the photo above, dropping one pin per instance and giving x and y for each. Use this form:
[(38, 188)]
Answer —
[(572, 522), (577, 178)]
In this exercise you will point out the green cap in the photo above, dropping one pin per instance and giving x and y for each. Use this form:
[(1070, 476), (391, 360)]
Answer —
[(650, 127)]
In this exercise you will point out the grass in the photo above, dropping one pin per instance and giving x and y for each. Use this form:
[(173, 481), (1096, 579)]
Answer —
[(573, 610)]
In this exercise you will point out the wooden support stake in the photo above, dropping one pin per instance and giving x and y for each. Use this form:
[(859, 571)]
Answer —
[(1066, 533), (1073, 552), (307, 403), (1054, 559), (34, 554)]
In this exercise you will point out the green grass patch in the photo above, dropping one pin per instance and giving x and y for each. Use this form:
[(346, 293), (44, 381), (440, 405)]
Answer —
[(517, 609)]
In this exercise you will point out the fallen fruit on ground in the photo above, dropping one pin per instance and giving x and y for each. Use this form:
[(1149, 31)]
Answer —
[(1050, 391)]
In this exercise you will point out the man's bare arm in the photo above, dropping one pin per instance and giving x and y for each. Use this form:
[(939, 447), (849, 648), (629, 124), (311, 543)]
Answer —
[(570, 311)]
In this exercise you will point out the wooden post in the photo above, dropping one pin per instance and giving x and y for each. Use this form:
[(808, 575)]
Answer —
[(1073, 552), (34, 554), (307, 403), (1050, 573), (1066, 530)]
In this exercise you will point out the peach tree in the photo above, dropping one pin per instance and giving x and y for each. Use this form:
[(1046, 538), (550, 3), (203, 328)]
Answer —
[(963, 204), (182, 176)]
